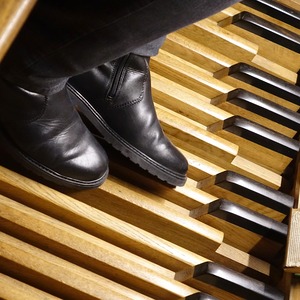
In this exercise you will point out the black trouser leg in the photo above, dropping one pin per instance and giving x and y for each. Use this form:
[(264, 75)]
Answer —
[(65, 38)]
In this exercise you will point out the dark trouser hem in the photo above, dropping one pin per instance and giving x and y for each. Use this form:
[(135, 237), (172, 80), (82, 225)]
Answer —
[(62, 39)]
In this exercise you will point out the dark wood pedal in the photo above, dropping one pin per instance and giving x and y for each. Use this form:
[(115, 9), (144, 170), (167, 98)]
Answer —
[(265, 108), (267, 30), (266, 82), (262, 135), (253, 190), (246, 218), (276, 10), (201, 296), (235, 283)]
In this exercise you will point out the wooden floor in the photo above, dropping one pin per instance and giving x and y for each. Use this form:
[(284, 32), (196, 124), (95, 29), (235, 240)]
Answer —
[(138, 238)]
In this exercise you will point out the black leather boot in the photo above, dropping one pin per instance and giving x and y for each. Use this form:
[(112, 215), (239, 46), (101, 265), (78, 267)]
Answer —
[(46, 135), (116, 98)]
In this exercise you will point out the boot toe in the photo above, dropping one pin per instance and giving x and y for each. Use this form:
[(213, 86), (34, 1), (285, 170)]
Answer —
[(172, 162), (89, 168)]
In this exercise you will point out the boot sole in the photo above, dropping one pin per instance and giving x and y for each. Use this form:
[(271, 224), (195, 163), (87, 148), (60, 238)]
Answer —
[(45, 172), (128, 150)]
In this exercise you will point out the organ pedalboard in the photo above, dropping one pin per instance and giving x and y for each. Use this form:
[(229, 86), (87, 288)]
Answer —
[(227, 94)]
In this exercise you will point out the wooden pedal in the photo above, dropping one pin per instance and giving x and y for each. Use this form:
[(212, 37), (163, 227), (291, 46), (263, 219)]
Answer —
[(235, 283), (265, 81), (269, 56), (189, 75), (13, 289), (207, 32), (248, 188), (96, 254), (245, 218), (187, 130), (251, 141), (263, 107), (179, 99), (268, 30), (56, 275), (93, 221), (248, 231), (261, 135), (276, 10), (239, 164)]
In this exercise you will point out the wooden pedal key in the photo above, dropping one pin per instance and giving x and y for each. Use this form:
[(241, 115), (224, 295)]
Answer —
[(264, 107), (261, 135), (245, 218), (267, 30), (265, 81), (276, 10), (250, 189), (233, 282)]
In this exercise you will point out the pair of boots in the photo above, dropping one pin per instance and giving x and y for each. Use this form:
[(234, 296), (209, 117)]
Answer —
[(47, 135)]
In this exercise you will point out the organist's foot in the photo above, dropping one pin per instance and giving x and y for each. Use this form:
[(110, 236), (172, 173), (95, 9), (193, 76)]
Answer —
[(46, 135), (116, 98)]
